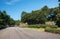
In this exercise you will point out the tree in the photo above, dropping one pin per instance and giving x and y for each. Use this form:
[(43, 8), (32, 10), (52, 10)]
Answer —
[(35, 17), (5, 20), (17, 22), (45, 10), (58, 20), (40, 16), (11, 22)]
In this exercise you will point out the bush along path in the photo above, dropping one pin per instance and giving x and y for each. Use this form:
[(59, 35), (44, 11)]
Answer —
[(52, 30)]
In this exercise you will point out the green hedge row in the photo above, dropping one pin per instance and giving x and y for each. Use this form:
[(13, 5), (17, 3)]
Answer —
[(53, 30), (41, 26)]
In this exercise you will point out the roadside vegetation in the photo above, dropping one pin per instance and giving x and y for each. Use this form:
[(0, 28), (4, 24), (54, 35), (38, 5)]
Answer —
[(36, 19), (44, 28), (52, 30), (7, 21), (37, 29)]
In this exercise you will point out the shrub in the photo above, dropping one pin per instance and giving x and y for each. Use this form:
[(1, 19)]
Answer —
[(53, 30), (37, 26), (51, 26), (2, 27), (58, 30), (41, 26)]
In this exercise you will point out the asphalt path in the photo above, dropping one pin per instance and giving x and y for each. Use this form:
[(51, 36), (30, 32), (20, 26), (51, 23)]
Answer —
[(22, 33)]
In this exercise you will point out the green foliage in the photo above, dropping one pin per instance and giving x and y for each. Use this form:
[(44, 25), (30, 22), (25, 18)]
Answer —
[(48, 29), (5, 20), (17, 22), (52, 30), (11, 22), (36, 26), (41, 16), (2, 27), (58, 20), (41, 26), (35, 17)]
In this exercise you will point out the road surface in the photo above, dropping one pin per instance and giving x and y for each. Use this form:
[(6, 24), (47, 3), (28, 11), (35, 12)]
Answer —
[(21, 33)]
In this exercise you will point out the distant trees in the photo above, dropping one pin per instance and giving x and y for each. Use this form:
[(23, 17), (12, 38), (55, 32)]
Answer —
[(11, 22), (17, 22), (5, 20), (35, 17), (41, 16)]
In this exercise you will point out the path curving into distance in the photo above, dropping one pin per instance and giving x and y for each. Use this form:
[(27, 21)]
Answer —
[(22, 33)]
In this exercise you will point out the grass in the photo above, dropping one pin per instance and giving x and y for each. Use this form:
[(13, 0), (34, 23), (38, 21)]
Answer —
[(44, 28), (52, 30), (58, 28), (37, 29)]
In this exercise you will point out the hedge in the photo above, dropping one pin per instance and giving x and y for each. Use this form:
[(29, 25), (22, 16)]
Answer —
[(41, 26), (52, 30)]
